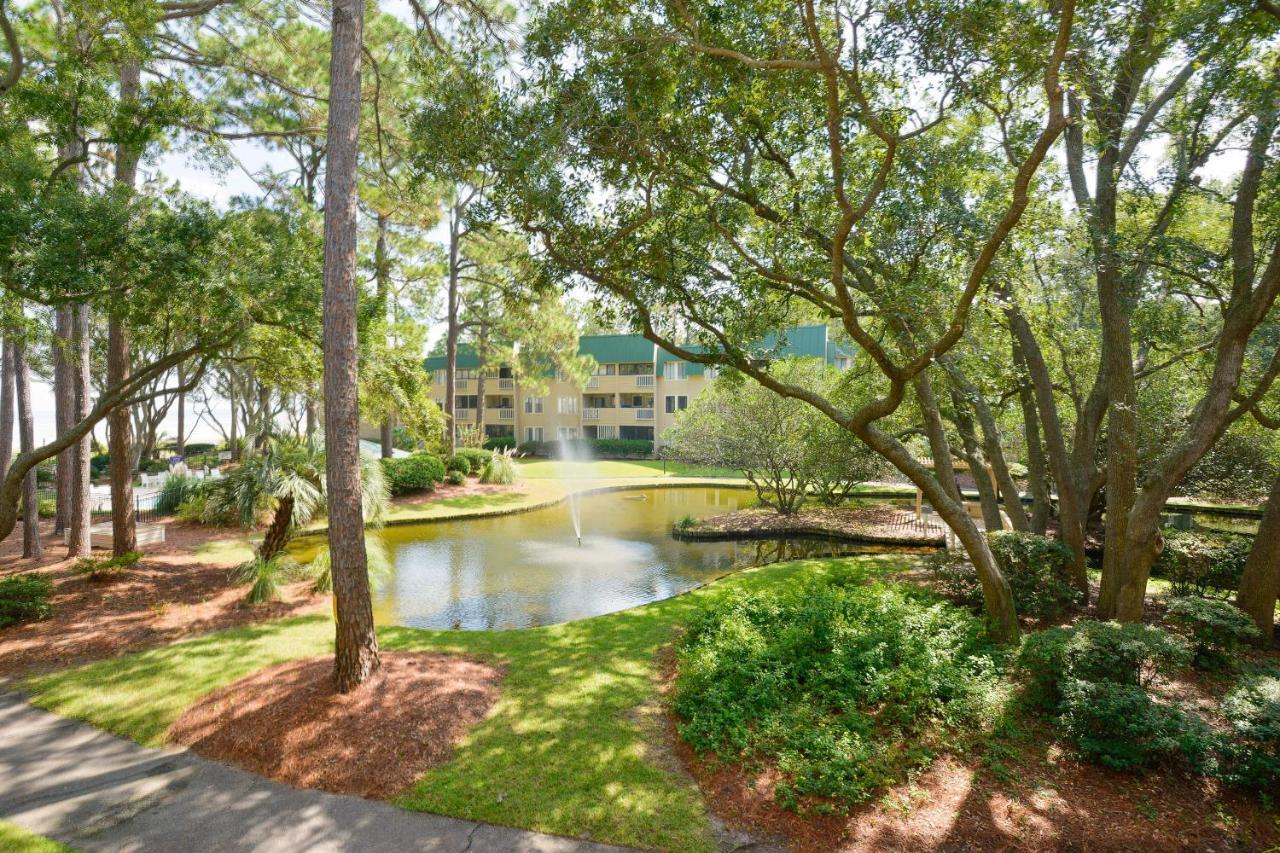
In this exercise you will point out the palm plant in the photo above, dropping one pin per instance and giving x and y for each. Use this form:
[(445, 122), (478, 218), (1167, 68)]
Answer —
[(284, 480)]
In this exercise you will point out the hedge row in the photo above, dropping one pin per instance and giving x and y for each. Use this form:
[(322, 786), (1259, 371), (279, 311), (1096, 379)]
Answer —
[(598, 447)]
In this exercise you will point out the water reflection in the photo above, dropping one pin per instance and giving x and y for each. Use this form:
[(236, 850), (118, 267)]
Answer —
[(523, 570)]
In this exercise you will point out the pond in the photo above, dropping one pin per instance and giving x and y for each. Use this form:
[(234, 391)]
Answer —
[(527, 569)]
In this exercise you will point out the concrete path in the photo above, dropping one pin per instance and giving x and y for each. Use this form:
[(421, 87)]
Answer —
[(67, 780)]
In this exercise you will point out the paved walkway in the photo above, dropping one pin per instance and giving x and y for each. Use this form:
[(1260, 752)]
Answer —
[(93, 791)]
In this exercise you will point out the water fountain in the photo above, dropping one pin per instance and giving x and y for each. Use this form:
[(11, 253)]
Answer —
[(570, 454)]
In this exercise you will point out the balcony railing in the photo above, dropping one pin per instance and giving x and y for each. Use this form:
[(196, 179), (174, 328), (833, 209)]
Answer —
[(593, 382), (591, 414), (462, 384), (506, 414), (644, 380), (506, 384), (644, 414)]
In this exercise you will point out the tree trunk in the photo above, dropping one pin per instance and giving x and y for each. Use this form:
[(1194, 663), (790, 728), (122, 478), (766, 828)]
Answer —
[(1260, 584), (356, 646), (265, 424), (936, 432), (987, 499), (6, 402), (1037, 466), (452, 332), (382, 275), (277, 535), (124, 537), (312, 420), (482, 344), (233, 443), (78, 541), (31, 545), (387, 436), (64, 405)]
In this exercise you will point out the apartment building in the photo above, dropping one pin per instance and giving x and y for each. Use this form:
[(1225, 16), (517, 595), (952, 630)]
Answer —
[(635, 392)]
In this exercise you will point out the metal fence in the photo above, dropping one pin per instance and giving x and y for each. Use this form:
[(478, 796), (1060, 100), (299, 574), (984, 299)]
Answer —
[(144, 503)]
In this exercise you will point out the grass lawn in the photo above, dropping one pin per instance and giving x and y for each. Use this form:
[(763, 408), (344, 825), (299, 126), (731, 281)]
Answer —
[(565, 750), (15, 839)]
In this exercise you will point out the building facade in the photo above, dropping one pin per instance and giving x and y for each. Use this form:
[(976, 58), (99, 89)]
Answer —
[(636, 391)]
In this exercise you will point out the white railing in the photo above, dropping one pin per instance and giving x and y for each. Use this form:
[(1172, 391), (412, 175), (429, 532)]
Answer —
[(461, 384), (644, 380), (506, 414), (593, 382), (644, 414), (591, 414), (506, 384)]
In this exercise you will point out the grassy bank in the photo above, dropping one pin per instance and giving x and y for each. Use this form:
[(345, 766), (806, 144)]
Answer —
[(15, 839), (566, 749)]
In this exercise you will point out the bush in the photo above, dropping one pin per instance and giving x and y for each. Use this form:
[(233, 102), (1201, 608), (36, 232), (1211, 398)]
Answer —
[(98, 464), (1197, 563), (500, 442), (1104, 652), (1119, 726), (455, 478), (499, 470), (46, 507), (475, 457), (458, 464), (1252, 758), (102, 568), (24, 598), (603, 448), (44, 471), (413, 473), (152, 466), (1035, 566), (839, 684), (176, 491), (1217, 629)]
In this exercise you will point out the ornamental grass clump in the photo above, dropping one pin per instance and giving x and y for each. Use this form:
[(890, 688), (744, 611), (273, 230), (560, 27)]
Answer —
[(499, 469), (842, 687)]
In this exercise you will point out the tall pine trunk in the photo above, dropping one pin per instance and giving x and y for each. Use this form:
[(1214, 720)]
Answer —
[(382, 276), (63, 407), (6, 403), (452, 332), (124, 535), (1260, 584), (31, 546), (356, 647), (78, 541)]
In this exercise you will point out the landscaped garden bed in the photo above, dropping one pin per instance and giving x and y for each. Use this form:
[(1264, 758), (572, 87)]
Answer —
[(883, 525)]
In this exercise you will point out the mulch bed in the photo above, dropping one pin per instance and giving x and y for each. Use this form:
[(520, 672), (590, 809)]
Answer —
[(173, 593), (287, 722), (875, 524)]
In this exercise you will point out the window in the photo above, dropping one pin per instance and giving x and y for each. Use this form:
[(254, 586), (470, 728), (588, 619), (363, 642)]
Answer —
[(606, 370), (568, 432), (438, 377), (567, 405), (606, 431), (636, 432), (842, 362), (674, 370), (533, 433), (465, 373), (533, 406), (710, 372), (465, 401), (636, 368), (499, 431), (676, 403), (440, 405)]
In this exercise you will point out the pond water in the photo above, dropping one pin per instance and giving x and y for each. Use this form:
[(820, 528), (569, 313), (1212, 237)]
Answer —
[(527, 569)]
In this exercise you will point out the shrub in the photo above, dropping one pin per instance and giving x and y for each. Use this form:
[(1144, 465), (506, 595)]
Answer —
[(499, 470), (1252, 758), (1104, 652), (686, 522), (413, 473), (458, 464), (475, 457), (455, 478), (1035, 566), (1197, 563), (176, 491), (1217, 628), (1119, 726), (44, 471), (839, 684), (152, 466), (98, 464), (500, 442), (46, 507), (267, 576), (102, 568), (24, 598)]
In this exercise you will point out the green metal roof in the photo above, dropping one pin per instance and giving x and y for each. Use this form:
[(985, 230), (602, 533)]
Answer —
[(801, 341), (611, 349)]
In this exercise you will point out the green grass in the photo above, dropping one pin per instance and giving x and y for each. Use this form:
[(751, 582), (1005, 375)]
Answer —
[(564, 750), (15, 839)]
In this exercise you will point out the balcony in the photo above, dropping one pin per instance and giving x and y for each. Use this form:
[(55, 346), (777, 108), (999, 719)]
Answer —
[(506, 414), (591, 414), (644, 414), (593, 382), (462, 384), (644, 380), (506, 384)]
